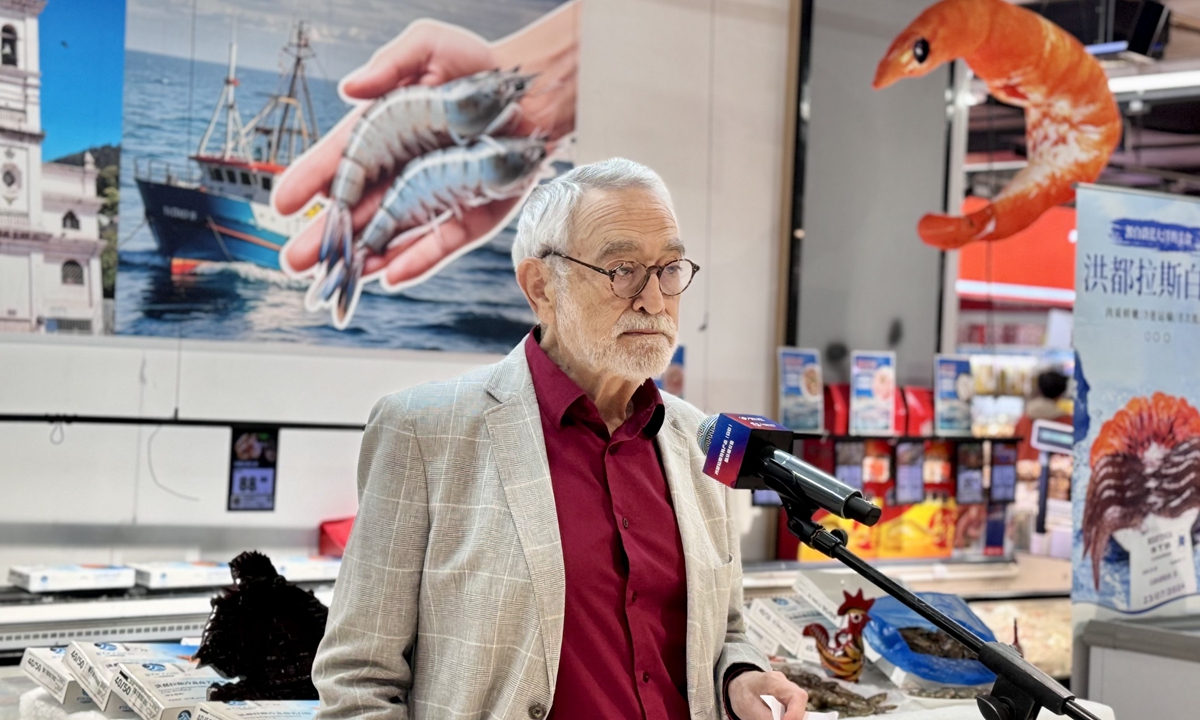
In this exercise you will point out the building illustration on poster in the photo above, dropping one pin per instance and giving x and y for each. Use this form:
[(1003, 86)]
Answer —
[(51, 280), (246, 226), (1135, 492)]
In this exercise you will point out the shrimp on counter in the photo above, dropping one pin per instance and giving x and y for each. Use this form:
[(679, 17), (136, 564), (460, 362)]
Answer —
[(1072, 121)]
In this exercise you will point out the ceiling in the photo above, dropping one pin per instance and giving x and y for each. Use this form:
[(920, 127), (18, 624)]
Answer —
[(1160, 149), (1185, 29)]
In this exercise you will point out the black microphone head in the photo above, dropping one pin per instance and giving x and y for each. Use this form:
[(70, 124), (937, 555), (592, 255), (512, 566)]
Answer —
[(858, 508), (704, 435)]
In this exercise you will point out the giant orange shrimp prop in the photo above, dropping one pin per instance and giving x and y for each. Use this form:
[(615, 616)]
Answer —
[(1072, 122)]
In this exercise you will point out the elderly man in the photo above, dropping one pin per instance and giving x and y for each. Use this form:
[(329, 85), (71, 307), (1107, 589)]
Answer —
[(536, 538)]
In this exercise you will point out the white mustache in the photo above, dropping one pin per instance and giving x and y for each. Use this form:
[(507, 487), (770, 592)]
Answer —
[(656, 323)]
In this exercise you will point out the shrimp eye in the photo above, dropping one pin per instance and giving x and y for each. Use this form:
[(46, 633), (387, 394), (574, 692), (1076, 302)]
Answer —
[(921, 50)]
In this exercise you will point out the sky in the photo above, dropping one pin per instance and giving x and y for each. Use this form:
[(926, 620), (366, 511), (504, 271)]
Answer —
[(83, 63), (344, 32)]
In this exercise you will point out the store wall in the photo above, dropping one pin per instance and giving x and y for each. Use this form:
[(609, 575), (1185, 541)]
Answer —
[(694, 89), (875, 164)]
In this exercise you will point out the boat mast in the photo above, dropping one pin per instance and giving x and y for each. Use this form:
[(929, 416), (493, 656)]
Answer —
[(235, 144), (300, 51)]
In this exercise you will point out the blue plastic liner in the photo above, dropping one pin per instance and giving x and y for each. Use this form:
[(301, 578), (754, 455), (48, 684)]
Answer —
[(883, 633)]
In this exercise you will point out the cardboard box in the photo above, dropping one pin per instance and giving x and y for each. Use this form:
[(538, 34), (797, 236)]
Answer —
[(168, 575), (47, 668), (784, 619), (258, 710), (94, 665), (163, 691), (309, 569), (65, 578)]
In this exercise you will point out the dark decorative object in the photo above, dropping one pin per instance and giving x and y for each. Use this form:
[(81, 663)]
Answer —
[(263, 631)]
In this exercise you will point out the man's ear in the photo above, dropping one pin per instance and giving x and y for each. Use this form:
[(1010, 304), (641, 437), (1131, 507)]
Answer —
[(533, 275)]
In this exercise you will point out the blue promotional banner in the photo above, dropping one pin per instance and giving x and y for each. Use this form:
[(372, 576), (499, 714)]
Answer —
[(952, 401), (801, 390), (1136, 485), (872, 393)]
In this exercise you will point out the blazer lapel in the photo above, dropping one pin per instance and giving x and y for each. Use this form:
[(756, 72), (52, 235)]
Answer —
[(519, 450), (697, 551)]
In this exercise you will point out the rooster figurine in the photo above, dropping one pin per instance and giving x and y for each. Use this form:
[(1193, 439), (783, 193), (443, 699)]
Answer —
[(843, 656)]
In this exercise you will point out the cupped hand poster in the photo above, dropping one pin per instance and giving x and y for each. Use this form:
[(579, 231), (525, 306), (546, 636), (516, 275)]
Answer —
[(339, 172), (1136, 486)]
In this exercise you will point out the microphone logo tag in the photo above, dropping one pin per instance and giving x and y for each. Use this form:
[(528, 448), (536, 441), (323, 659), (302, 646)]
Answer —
[(731, 437)]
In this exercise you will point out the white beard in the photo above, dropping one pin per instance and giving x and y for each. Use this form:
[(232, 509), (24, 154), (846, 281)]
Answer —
[(649, 356)]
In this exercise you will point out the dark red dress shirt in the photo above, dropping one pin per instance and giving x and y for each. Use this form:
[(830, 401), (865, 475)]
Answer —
[(625, 631)]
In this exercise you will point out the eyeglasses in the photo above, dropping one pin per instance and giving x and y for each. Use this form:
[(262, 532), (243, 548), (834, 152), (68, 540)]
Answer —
[(629, 278)]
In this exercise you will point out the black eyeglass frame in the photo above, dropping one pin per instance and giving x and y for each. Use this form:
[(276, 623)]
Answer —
[(656, 270)]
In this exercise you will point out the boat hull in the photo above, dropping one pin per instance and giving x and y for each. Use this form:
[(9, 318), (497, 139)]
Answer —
[(190, 223)]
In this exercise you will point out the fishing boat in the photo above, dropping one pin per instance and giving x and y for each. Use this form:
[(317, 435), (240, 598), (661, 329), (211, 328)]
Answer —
[(217, 209)]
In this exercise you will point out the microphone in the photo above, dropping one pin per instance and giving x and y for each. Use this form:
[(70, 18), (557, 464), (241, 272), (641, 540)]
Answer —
[(742, 451)]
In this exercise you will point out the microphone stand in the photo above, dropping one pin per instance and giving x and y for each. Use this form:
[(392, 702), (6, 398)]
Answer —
[(1021, 689)]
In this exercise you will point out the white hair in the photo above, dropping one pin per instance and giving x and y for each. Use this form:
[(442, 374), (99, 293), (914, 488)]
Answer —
[(546, 219)]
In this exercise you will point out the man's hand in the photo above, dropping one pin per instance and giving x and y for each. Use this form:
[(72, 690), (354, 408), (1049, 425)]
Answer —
[(745, 693)]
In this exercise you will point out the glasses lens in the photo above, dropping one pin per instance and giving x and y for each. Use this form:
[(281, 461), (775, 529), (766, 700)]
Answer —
[(676, 277), (628, 279)]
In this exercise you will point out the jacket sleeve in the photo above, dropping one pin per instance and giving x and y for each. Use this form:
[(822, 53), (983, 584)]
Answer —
[(738, 649), (363, 667)]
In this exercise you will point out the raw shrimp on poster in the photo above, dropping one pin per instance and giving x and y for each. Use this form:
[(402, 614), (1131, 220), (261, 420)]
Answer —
[(335, 209)]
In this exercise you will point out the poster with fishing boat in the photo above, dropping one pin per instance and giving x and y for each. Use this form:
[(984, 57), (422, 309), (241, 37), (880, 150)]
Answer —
[(338, 172)]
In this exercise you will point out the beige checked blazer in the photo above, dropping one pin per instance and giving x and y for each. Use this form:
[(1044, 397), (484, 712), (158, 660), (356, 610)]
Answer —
[(450, 599)]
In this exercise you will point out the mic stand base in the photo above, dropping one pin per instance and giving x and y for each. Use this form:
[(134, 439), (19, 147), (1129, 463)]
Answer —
[(1021, 690)]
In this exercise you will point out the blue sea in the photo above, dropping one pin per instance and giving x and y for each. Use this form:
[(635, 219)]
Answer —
[(472, 305)]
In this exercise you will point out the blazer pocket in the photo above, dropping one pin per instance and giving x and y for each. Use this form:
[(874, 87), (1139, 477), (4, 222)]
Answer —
[(722, 577)]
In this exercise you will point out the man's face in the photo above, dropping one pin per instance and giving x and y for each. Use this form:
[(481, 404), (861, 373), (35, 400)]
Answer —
[(632, 338)]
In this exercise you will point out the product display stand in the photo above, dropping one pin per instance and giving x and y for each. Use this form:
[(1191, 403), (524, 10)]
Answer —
[(1021, 690)]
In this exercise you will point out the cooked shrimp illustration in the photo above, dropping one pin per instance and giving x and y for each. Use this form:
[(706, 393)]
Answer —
[(1145, 461), (407, 123), (1072, 121), (438, 185)]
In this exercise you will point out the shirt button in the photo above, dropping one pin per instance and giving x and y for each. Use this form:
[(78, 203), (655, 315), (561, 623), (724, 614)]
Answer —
[(537, 711), (645, 677), (625, 522), (612, 450), (633, 598)]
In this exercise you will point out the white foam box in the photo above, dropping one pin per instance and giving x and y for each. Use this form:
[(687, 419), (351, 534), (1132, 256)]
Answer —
[(784, 619), (94, 665), (258, 710), (759, 637), (170, 575), (66, 578), (163, 691), (317, 568), (46, 667), (37, 704)]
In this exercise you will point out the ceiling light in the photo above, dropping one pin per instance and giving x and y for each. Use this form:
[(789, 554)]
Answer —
[(1154, 81)]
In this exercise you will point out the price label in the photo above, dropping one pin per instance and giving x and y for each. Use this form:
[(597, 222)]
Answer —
[(252, 469)]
